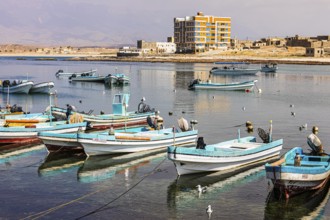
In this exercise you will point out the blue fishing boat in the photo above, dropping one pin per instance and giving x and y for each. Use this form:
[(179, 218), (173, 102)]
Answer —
[(222, 156), (298, 172)]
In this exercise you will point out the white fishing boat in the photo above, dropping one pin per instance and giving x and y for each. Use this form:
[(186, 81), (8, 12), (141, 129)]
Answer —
[(118, 79), (236, 153), (87, 77), (269, 68), (95, 144), (68, 74), (16, 86), (56, 142), (298, 172), (43, 87), (233, 68), (232, 86)]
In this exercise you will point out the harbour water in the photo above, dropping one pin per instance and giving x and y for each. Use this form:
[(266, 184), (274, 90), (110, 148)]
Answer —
[(139, 186)]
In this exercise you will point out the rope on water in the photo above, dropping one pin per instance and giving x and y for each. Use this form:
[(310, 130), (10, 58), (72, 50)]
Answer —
[(48, 211)]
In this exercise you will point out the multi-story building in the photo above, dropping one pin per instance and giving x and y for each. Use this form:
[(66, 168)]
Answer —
[(201, 33)]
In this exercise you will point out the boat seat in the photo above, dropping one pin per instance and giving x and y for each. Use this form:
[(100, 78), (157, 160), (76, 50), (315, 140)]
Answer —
[(314, 163), (309, 163)]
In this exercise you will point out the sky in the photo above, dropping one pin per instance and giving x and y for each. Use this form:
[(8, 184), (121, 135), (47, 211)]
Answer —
[(115, 22)]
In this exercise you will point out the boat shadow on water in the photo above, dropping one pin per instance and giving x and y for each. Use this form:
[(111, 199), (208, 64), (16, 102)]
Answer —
[(99, 168), (183, 190), (59, 162), (10, 152), (308, 205)]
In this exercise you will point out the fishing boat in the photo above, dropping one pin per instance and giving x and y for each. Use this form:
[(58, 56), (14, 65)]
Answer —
[(87, 77), (10, 110), (233, 68), (29, 132), (298, 172), (95, 144), (68, 74), (269, 68), (235, 153), (233, 86), (43, 87), (118, 119), (56, 142), (16, 86), (26, 119), (118, 79)]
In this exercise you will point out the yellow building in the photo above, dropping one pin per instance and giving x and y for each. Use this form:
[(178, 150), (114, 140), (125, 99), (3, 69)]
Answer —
[(201, 33)]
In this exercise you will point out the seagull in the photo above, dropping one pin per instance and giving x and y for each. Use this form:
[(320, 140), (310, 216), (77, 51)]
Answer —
[(209, 211), (201, 189), (174, 90), (243, 108), (291, 106), (293, 114), (213, 97)]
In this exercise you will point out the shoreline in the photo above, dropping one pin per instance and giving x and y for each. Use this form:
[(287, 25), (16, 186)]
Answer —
[(179, 58)]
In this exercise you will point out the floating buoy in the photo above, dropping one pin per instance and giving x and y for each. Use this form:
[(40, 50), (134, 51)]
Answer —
[(80, 101), (247, 90)]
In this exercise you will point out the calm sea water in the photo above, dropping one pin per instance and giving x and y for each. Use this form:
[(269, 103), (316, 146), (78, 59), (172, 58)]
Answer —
[(61, 186)]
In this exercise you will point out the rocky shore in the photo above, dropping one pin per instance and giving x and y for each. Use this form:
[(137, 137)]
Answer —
[(211, 59), (280, 55)]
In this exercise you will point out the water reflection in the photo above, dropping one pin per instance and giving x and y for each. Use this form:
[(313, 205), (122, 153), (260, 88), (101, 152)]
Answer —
[(59, 162), (183, 192), (309, 205), (99, 168), (16, 151)]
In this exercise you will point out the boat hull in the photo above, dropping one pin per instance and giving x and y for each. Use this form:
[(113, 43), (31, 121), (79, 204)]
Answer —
[(22, 88), (234, 71), (42, 88)]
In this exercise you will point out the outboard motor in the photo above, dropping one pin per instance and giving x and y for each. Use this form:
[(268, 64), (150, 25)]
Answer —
[(150, 122), (200, 143), (192, 83), (263, 135)]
